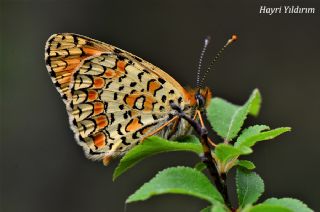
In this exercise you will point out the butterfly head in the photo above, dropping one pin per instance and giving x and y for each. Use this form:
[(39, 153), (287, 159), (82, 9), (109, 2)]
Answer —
[(203, 97), (200, 97)]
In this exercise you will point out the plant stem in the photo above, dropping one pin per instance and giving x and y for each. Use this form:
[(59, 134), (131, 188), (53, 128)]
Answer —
[(219, 180)]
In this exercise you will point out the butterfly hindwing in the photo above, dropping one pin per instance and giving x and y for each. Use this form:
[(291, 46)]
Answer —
[(64, 53), (116, 103)]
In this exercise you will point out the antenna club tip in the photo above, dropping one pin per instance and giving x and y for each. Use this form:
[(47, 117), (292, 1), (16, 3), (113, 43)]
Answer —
[(234, 37), (231, 40)]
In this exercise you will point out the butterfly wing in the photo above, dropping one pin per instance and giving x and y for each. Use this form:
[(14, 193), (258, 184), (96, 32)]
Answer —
[(114, 99), (64, 53)]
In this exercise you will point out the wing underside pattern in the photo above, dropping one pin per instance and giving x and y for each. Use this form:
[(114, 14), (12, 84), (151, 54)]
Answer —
[(114, 99)]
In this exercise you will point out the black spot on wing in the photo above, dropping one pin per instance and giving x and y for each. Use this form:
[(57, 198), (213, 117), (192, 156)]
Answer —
[(132, 84), (155, 91), (75, 39), (125, 115), (123, 140), (162, 81), (135, 135), (164, 98), (106, 106), (94, 153), (110, 145), (120, 57), (111, 118), (119, 129), (140, 76), (108, 84), (146, 71), (117, 51), (108, 134), (137, 58), (121, 77)]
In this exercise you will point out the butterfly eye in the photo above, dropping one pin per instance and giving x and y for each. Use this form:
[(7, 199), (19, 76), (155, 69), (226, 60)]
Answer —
[(200, 100)]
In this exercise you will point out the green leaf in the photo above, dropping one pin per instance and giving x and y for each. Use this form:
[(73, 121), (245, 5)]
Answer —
[(200, 166), (225, 152), (218, 207), (187, 139), (251, 131), (250, 139), (227, 119), (246, 164), (250, 186), (226, 156), (266, 208), (207, 209), (154, 145), (178, 180), (293, 204)]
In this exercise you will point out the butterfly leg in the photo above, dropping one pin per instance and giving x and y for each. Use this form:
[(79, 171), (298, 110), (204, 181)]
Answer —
[(174, 128), (198, 113), (160, 128)]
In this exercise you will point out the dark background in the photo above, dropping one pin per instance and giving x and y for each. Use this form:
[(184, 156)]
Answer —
[(42, 168)]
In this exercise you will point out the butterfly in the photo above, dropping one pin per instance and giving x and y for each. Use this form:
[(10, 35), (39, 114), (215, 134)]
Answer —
[(115, 99)]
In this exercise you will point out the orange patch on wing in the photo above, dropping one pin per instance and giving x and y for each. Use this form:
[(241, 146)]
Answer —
[(130, 100), (102, 121), (64, 79), (98, 108), (153, 86), (71, 67), (90, 51), (98, 82), (148, 103), (109, 73), (134, 113), (72, 63), (121, 65), (92, 95), (133, 125), (99, 140)]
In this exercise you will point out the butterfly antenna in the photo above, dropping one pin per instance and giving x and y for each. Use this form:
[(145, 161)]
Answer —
[(204, 48), (215, 59)]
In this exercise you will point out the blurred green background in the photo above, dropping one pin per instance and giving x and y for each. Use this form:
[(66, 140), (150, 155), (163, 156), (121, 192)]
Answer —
[(43, 169)]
